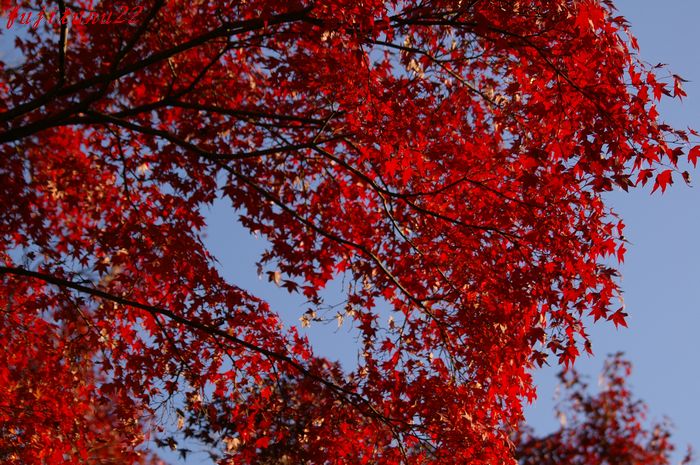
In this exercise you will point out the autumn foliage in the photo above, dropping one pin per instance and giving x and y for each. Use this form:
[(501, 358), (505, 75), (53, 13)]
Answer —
[(444, 160), (607, 427)]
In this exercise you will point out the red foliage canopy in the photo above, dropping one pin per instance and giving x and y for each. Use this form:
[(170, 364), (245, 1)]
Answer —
[(607, 428), (446, 157)]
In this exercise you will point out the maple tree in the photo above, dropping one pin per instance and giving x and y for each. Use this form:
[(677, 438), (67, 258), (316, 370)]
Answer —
[(445, 158), (603, 428), (600, 429)]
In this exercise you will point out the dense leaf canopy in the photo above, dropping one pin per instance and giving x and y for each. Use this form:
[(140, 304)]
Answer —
[(445, 159)]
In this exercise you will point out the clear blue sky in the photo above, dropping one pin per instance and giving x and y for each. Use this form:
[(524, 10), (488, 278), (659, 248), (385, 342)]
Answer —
[(661, 275)]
